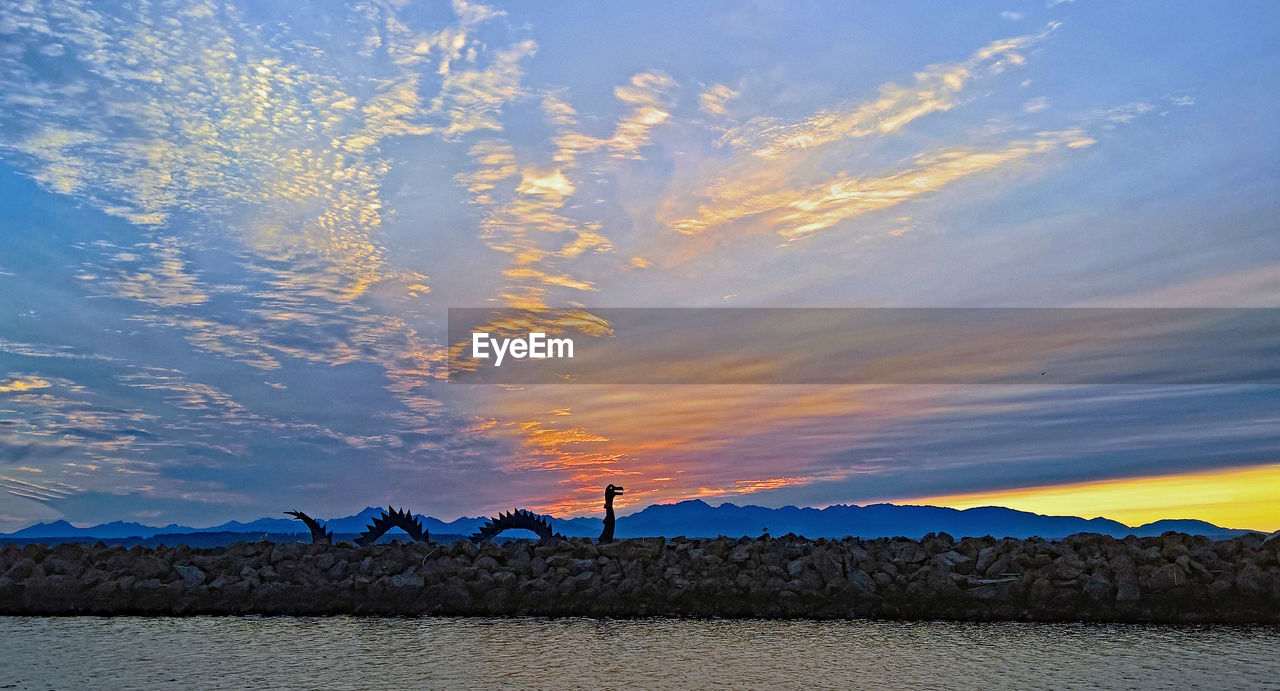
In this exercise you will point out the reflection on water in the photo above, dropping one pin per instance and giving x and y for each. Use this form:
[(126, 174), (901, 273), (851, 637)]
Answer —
[(351, 652)]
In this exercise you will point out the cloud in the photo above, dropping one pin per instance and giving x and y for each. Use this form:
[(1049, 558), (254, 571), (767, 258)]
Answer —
[(786, 177), (526, 216), (1254, 286), (252, 162), (23, 383), (495, 162), (935, 89), (796, 212), (551, 184), (1126, 113), (151, 119), (649, 96), (1035, 105), (472, 98), (715, 99), (275, 183)]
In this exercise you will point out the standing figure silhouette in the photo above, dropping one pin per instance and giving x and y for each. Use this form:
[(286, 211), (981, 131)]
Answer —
[(609, 493)]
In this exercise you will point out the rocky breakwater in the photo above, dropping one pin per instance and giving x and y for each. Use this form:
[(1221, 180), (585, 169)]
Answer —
[(1172, 578)]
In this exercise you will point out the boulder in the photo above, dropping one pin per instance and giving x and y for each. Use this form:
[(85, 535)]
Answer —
[(407, 579), (191, 576), (861, 582)]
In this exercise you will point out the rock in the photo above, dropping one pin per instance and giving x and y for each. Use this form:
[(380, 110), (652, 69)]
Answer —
[(407, 579), (22, 570), (1063, 571), (190, 575), (1002, 566), (150, 567), (1042, 589), (1250, 581), (908, 553), (537, 566), (861, 582), (286, 550), (1098, 588), (831, 570), (1166, 577), (795, 568), (1194, 568), (1085, 577), (986, 557), (505, 580)]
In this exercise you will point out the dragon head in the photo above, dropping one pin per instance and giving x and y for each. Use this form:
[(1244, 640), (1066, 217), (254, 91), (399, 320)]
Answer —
[(612, 491)]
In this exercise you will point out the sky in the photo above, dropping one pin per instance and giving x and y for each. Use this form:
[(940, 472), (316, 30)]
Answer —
[(232, 232)]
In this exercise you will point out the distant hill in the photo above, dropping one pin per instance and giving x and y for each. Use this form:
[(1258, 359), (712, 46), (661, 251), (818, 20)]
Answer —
[(697, 518), (115, 529), (694, 518)]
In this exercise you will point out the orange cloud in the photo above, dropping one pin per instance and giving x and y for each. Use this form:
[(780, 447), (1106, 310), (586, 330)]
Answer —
[(794, 212), (23, 384), (935, 89)]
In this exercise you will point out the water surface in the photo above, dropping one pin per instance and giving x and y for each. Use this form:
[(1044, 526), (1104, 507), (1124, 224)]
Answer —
[(356, 652)]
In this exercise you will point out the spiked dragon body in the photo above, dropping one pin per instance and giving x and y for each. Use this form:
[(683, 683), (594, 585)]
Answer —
[(391, 518), (609, 493), (520, 519), (319, 536)]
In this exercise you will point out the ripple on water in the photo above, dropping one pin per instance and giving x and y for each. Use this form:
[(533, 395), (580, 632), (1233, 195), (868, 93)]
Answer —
[(355, 652)]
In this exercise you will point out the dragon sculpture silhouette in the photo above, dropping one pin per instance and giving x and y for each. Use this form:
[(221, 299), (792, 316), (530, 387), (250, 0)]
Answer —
[(519, 519), (389, 519), (319, 536), (609, 493)]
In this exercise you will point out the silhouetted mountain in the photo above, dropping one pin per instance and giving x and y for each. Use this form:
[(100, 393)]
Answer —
[(1189, 526), (104, 530), (697, 518)]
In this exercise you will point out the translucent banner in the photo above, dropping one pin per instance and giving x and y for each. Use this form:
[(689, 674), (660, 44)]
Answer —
[(864, 346)]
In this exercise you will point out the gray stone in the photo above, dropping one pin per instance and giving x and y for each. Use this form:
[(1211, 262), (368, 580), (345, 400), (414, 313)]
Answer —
[(408, 579), (1128, 592), (1249, 581), (191, 576), (1098, 588), (1166, 577), (861, 582), (1090, 577)]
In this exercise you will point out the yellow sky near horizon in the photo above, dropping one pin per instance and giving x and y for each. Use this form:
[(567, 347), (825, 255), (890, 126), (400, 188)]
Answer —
[(1247, 498)]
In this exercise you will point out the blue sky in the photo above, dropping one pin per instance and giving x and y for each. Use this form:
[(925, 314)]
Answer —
[(232, 232)]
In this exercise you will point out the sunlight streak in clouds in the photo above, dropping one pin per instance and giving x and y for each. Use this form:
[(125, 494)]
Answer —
[(1231, 497)]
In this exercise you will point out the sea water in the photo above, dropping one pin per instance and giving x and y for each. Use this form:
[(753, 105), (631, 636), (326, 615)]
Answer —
[(407, 653)]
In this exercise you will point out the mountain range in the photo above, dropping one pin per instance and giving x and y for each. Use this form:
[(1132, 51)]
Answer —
[(696, 518)]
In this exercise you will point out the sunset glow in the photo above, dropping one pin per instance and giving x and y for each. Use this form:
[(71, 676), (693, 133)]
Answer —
[(1234, 497), (233, 233)]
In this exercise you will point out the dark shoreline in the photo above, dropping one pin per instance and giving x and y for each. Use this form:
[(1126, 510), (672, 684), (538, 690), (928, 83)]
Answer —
[(1174, 578)]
